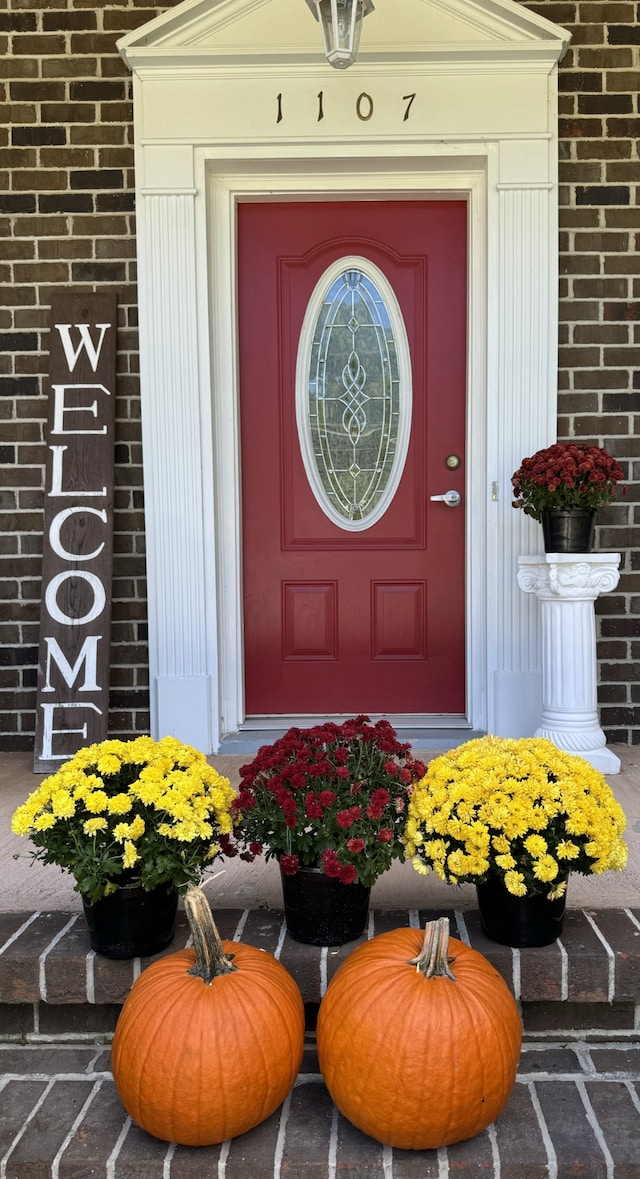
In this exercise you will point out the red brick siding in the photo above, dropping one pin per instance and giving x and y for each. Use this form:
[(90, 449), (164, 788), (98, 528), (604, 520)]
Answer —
[(599, 356), (67, 217)]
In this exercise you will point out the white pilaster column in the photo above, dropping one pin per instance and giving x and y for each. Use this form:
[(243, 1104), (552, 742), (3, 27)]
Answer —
[(567, 585), (173, 430)]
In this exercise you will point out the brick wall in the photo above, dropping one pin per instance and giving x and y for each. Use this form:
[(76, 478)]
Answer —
[(67, 218), (599, 339)]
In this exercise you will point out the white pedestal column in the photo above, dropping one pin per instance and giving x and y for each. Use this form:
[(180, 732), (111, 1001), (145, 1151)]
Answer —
[(567, 585)]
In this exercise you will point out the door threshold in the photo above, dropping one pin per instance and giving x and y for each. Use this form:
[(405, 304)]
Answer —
[(421, 731)]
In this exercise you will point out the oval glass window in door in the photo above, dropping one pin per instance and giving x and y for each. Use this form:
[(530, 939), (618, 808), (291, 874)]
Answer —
[(353, 393)]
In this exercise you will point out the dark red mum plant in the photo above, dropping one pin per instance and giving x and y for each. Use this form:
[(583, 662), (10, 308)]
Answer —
[(332, 797), (566, 475)]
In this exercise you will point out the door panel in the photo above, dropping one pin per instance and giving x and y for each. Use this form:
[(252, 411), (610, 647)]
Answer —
[(337, 621)]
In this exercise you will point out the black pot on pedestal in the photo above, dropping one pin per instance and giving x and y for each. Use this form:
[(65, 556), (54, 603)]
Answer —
[(570, 531), (518, 921), (132, 922), (320, 911)]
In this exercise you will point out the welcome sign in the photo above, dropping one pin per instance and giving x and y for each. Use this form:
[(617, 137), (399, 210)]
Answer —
[(75, 615)]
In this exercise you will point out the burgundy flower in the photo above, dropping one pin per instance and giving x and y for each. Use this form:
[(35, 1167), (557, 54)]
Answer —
[(331, 863), (313, 809), (379, 800), (227, 846), (347, 874), (290, 865), (346, 819), (565, 475), (328, 787)]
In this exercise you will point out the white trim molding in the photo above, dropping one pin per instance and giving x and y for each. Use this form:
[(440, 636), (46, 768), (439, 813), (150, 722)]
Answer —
[(223, 116)]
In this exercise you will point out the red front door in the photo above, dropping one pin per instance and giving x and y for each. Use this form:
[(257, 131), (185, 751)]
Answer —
[(338, 621)]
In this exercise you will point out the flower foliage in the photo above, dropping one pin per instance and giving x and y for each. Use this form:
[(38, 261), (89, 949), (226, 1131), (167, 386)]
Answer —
[(150, 809), (517, 808), (333, 796), (566, 475)]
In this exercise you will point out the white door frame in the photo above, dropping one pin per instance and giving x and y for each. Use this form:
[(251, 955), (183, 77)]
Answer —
[(207, 76)]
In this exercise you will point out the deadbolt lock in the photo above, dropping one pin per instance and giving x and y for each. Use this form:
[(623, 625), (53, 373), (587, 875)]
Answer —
[(452, 462)]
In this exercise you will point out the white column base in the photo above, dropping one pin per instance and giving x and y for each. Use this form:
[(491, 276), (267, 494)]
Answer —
[(183, 709), (567, 585)]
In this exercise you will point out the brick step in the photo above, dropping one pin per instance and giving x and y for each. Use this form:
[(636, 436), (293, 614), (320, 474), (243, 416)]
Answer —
[(575, 1110), (51, 985)]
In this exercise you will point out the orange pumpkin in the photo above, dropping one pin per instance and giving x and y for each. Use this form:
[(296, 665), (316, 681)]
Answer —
[(209, 1042), (414, 1053)]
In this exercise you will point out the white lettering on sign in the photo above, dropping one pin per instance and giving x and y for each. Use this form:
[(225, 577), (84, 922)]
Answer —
[(84, 331), (60, 409), (48, 730), (78, 538), (56, 525), (87, 656), (99, 597), (57, 453)]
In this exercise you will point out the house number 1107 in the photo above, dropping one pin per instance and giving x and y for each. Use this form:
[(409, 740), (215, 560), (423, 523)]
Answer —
[(364, 107)]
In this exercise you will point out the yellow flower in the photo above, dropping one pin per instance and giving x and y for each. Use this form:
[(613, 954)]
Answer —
[(129, 855), (500, 844), (514, 883), (516, 806), (545, 868), (108, 764), (566, 850), (436, 848), (96, 801), (420, 866), (62, 804), (21, 821), (93, 825), (505, 861), (119, 804), (44, 822), (137, 827), (536, 845)]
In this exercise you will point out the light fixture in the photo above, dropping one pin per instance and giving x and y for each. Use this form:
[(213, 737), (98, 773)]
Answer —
[(341, 23)]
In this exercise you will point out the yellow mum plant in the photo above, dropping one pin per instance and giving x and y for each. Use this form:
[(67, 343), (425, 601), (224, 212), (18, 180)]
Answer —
[(518, 808), (153, 810)]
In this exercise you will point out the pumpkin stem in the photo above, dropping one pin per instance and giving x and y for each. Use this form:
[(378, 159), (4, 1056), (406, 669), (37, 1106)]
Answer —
[(211, 959), (433, 958)]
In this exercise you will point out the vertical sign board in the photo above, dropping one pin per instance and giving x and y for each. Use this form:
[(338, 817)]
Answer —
[(75, 614)]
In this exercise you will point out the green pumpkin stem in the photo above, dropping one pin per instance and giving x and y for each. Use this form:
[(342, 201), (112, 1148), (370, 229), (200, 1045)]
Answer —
[(211, 960), (433, 960)]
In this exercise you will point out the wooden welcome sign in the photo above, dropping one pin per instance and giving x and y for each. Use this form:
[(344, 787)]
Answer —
[(75, 615)]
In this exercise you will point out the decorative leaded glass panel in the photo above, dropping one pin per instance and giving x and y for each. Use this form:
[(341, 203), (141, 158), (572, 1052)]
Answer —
[(354, 393)]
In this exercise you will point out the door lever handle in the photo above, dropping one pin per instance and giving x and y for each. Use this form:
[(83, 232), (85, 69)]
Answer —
[(452, 499)]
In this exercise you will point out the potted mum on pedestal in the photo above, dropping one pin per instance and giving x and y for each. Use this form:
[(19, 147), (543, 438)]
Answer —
[(515, 816), (562, 487), (135, 822), (329, 803)]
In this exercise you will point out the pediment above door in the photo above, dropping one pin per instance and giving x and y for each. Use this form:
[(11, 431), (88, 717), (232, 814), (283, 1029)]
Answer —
[(265, 32)]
